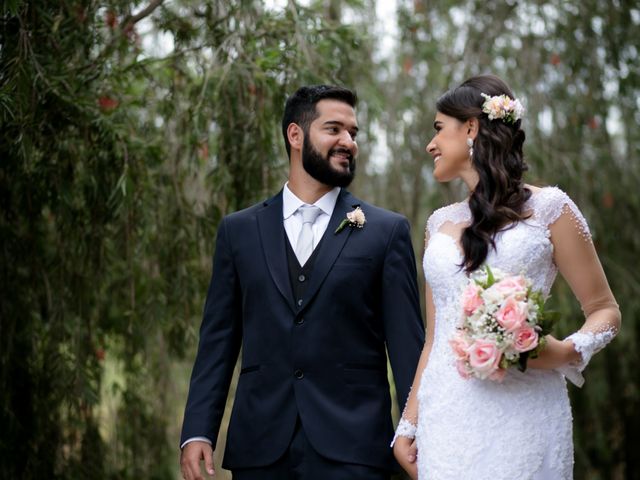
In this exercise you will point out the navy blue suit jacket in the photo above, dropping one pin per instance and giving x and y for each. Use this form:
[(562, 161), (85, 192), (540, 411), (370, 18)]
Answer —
[(324, 358)]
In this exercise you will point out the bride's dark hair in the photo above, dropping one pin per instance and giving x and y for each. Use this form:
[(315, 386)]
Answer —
[(500, 195)]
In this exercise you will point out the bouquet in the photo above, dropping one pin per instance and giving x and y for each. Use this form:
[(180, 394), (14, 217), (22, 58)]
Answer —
[(503, 325)]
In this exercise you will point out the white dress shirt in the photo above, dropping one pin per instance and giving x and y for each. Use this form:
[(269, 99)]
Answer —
[(293, 220), (292, 226)]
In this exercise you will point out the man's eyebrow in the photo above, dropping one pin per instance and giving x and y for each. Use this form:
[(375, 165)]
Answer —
[(436, 123), (339, 124)]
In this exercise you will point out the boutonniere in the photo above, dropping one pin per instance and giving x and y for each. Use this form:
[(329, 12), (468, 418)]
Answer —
[(354, 218)]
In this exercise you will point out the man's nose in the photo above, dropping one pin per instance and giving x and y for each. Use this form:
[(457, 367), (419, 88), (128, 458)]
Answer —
[(347, 140)]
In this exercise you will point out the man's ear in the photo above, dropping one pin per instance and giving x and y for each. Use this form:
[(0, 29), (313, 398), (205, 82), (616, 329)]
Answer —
[(473, 124), (295, 136)]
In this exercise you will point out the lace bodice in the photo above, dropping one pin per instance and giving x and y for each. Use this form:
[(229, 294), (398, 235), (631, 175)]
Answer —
[(523, 248), (527, 416)]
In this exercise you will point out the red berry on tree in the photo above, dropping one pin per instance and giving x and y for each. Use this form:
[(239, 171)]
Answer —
[(107, 104)]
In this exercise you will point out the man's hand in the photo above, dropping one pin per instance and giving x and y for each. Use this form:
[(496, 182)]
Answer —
[(192, 454), (406, 452)]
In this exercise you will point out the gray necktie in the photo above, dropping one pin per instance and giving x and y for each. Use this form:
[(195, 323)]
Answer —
[(304, 247)]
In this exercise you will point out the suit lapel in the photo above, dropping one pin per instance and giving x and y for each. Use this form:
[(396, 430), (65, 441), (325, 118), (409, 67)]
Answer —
[(271, 227), (331, 245)]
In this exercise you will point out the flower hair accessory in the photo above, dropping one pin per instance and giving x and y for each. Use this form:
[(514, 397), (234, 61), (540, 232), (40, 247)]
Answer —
[(354, 218), (502, 107)]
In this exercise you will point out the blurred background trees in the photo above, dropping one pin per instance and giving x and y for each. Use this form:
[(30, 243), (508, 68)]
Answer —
[(129, 128)]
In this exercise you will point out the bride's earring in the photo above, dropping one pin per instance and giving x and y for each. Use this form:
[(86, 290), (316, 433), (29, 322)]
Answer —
[(470, 145)]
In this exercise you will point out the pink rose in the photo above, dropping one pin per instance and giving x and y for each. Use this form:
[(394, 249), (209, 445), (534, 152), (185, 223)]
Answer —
[(484, 357), (512, 286), (460, 346), (512, 314), (471, 299), (525, 339)]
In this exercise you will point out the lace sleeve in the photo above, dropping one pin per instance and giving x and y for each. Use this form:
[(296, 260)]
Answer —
[(409, 420), (577, 261), (455, 213)]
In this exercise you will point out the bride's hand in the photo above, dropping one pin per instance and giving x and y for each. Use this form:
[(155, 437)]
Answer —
[(406, 452), (555, 353)]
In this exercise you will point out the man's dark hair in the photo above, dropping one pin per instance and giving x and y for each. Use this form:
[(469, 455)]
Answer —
[(301, 106)]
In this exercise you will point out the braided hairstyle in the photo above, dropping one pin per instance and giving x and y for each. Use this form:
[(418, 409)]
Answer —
[(500, 195)]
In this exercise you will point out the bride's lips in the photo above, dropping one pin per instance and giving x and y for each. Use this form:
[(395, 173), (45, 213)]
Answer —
[(435, 160)]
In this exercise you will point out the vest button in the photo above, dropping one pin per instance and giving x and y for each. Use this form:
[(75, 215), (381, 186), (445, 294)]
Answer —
[(298, 374), (302, 278), (299, 321), (300, 302)]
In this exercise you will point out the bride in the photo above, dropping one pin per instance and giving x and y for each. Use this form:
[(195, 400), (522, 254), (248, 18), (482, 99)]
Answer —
[(520, 427)]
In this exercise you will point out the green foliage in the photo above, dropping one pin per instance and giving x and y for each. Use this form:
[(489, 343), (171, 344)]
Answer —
[(575, 66), (130, 128), (117, 165)]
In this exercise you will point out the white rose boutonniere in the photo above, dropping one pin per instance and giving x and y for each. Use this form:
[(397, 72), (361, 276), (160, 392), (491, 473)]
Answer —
[(354, 218)]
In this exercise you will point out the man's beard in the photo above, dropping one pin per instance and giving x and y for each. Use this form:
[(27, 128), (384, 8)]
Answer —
[(320, 168)]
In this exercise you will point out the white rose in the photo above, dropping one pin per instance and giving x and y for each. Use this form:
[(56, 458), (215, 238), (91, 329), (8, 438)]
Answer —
[(357, 217), (492, 296)]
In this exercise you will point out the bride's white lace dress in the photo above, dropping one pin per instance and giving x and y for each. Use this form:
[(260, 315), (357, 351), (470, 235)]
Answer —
[(520, 428)]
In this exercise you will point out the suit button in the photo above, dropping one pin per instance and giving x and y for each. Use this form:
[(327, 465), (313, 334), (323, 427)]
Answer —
[(300, 302), (302, 278), (298, 374), (299, 321)]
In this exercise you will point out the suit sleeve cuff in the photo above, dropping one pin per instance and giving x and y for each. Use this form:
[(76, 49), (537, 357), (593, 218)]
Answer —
[(196, 439)]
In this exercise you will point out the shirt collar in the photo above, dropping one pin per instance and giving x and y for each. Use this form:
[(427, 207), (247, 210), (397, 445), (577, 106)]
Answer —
[(291, 203)]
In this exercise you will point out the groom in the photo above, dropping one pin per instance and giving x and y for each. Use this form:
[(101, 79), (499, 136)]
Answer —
[(313, 300)]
